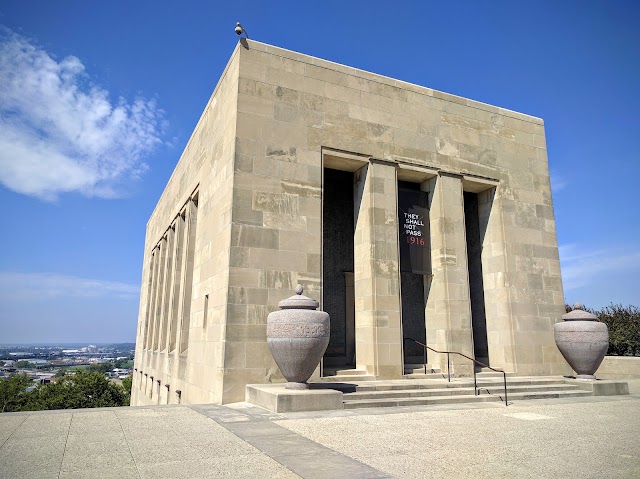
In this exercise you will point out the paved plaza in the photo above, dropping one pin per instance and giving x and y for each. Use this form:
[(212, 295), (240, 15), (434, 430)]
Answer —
[(595, 437)]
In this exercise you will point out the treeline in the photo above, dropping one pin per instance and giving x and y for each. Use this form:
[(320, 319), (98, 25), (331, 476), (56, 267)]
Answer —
[(80, 390), (624, 328)]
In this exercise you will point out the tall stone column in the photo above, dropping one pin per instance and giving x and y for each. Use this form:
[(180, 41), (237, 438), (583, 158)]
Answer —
[(377, 301), (497, 296), (448, 314)]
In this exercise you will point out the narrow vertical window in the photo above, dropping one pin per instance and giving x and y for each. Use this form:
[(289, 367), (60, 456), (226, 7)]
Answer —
[(206, 311), (191, 220)]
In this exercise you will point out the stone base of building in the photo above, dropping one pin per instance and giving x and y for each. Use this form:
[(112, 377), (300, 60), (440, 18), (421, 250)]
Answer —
[(275, 398), (415, 392), (601, 387)]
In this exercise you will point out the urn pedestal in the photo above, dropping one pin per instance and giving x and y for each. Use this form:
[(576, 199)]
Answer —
[(297, 337), (582, 340)]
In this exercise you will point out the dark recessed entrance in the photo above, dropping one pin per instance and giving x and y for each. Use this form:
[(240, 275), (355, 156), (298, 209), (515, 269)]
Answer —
[(476, 286), (337, 265), (415, 263)]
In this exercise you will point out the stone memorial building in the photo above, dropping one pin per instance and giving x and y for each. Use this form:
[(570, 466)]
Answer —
[(406, 212)]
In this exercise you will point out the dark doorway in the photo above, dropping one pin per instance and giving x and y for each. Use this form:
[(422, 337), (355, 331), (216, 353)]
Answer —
[(476, 286), (415, 262), (337, 265)]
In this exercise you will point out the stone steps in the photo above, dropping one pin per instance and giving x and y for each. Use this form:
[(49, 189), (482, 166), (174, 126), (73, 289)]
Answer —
[(458, 399), (351, 393), (436, 373), (426, 392), (492, 374), (455, 383), (332, 375), (419, 369), (433, 392), (467, 398), (347, 379), (422, 375), (344, 372), (428, 401)]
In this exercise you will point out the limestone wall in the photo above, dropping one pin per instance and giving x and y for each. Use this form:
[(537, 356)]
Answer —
[(290, 108), (619, 367)]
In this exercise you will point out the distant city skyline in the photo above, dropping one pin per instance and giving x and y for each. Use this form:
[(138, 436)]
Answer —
[(97, 103)]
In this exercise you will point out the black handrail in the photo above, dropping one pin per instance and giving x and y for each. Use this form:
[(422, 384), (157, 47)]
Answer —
[(475, 383)]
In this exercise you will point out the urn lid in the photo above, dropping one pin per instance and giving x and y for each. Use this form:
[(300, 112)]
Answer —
[(579, 314), (298, 301)]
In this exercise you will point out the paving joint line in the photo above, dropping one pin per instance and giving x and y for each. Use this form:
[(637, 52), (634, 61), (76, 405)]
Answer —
[(115, 413), (66, 441), (12, 432), (275, 439)]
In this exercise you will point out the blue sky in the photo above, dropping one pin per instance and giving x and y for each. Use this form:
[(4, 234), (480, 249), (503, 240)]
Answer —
[(97, 100)]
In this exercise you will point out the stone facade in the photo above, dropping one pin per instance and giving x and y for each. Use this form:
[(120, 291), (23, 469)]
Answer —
[(240, 224)]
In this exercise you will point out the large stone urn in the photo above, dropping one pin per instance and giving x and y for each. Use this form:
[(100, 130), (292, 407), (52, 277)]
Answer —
[(582, 340), (297, 336)]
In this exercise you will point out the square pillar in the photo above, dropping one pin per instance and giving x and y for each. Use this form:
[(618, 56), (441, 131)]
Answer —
[(376, 279), (497, 295), (448, 314)]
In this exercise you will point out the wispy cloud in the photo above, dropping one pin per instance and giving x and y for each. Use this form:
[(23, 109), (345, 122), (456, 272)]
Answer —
[(16, 286), (61, 133), (581, 267), (558, 182)]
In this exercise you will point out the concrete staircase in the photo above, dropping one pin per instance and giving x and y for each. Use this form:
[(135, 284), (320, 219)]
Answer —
[(418, 392), (411, 371), (335, 375), (416, 371), (350, 389)]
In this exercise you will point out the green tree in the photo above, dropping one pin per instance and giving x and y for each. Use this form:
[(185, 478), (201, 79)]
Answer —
[(60, 373), (2, 363), (126, 385), (13, 394), (623, 323), (624, 329), (23, 364), (80, 390)]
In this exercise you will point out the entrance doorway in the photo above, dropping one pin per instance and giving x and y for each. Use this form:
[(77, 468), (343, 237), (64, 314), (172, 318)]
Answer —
[(415, 263), (338, 265), (476, 285)]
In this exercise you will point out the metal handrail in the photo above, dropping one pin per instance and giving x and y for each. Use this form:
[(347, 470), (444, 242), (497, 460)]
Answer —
[(475, 382)]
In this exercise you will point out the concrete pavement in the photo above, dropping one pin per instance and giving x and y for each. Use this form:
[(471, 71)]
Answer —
[(569, 438)]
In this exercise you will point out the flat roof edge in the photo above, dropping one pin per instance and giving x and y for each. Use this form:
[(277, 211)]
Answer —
[(302, 57)]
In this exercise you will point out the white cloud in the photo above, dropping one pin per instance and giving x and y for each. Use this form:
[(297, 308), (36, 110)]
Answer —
[(582, 267), (61, 133), (45, 286), (558, 183)]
